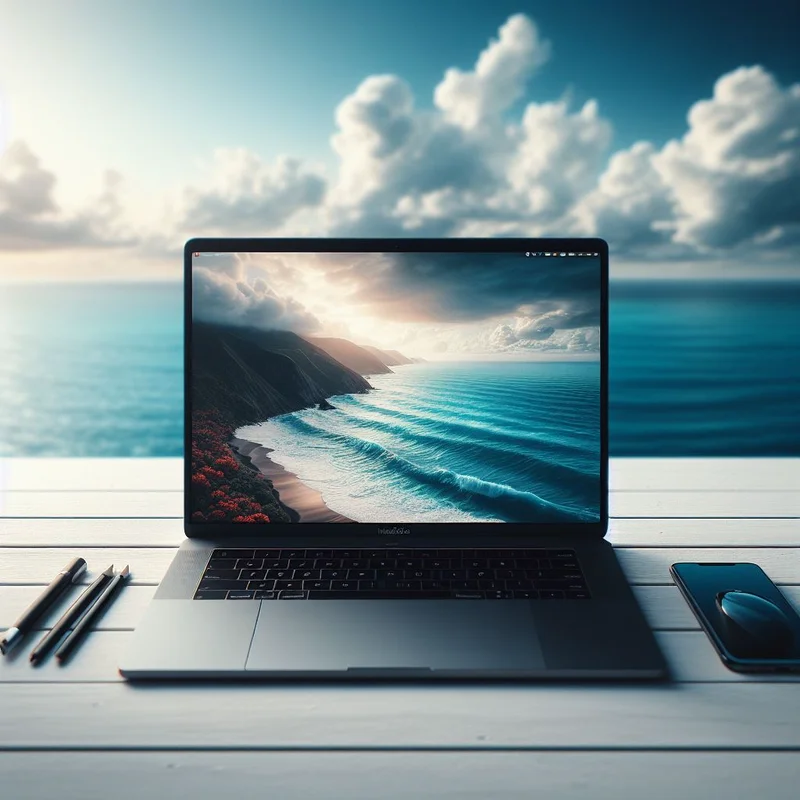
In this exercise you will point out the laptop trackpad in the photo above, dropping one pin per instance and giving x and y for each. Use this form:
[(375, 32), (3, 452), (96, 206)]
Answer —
[(395, 635)]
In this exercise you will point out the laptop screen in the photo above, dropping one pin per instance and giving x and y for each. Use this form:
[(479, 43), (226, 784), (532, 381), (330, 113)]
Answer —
[(395, 388)]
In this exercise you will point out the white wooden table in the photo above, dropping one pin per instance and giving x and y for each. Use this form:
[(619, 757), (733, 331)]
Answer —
[(78, 730)]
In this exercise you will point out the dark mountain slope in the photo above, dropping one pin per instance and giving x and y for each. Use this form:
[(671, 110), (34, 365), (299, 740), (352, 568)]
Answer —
[(401, 359), (360, 359), (391, 358), (249, 375)]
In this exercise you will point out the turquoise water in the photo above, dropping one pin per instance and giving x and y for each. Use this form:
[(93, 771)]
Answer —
[(91, 370), (509, 442), (95, 370)]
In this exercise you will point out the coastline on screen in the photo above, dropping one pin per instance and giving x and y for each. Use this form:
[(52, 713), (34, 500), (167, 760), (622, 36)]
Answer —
[(395, 388)]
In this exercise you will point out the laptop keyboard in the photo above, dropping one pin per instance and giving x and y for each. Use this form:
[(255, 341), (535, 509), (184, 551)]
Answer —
[(283, 574)]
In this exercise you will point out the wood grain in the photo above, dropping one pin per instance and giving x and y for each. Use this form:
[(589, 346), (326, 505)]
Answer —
[(82, 474), (420, 775), (76, 533), (689, 654), (663, 510), (741, 714), (123, 614)]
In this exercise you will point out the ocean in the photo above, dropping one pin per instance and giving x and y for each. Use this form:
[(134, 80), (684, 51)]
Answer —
[(433, 436), (696, 369)]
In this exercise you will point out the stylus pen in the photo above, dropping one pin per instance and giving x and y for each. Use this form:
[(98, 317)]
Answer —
[(36, 610), (71, 617), (91, 615)]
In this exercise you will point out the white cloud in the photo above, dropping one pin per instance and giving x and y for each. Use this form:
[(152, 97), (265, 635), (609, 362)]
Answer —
[(472, 165), (223, 293), (732, 182), (245, 195), (735, 175), (501, 73), (559, 157), (30, 218), (630, 205)]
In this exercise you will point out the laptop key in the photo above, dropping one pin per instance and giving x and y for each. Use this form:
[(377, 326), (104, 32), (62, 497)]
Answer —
[(578, 595), (292, 595), (238, 594), (232, 554), (271, 554), (221, 574), (222, 563), (469, 595), (317, 585), (525, 595), (333, 574), (288, 585), (210, 595), (261, 586), (551, 595), (307, 574), (216, 585), (250, 563), (265, 596)]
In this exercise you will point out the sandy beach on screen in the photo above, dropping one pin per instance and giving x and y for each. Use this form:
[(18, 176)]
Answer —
[(301, 502)]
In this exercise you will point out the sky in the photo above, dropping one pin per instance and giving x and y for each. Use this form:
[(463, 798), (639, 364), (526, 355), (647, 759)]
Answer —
[(126, 128), (430, 305)]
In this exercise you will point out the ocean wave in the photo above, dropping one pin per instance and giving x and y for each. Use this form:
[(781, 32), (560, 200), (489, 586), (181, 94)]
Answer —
[(490, 496), (562, 448), (499, 452), (468, 484)]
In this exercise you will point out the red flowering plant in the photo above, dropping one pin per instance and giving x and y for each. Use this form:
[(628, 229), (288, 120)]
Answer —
[(224, 489)]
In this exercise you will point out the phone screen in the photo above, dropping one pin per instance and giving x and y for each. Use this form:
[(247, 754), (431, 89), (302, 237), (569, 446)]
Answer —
[(703, 582)]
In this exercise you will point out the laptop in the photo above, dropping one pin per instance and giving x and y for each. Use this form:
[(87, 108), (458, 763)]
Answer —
[(396, 466)]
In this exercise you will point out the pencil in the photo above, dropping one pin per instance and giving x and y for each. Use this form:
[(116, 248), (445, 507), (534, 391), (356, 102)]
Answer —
[(100, 605), (73, 615)]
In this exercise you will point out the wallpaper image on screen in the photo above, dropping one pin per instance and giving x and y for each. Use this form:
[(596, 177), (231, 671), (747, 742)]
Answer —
[(395, 388)]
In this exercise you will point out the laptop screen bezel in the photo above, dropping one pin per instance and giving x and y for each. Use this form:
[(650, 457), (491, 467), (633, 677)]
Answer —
[(421, 534)]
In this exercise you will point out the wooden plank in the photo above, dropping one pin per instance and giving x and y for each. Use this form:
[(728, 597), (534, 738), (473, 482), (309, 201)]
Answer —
[(663, 606), (98, 532), (738, 504), (82, 474), (701, 532), (22, 565), (651, 565), (689, 654), (628, 474), (288, 716), (96, 660), (693, 474), (74, 533), (91, 504), (421, 775), (680, 504), (123, 614)]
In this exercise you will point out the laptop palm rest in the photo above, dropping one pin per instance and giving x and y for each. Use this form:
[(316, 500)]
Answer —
[(402, 638)]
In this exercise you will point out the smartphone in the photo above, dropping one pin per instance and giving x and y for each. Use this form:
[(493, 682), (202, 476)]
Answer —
[(703, 584)]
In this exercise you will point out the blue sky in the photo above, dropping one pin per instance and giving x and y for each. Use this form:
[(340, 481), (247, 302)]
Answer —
[(150, 90)]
